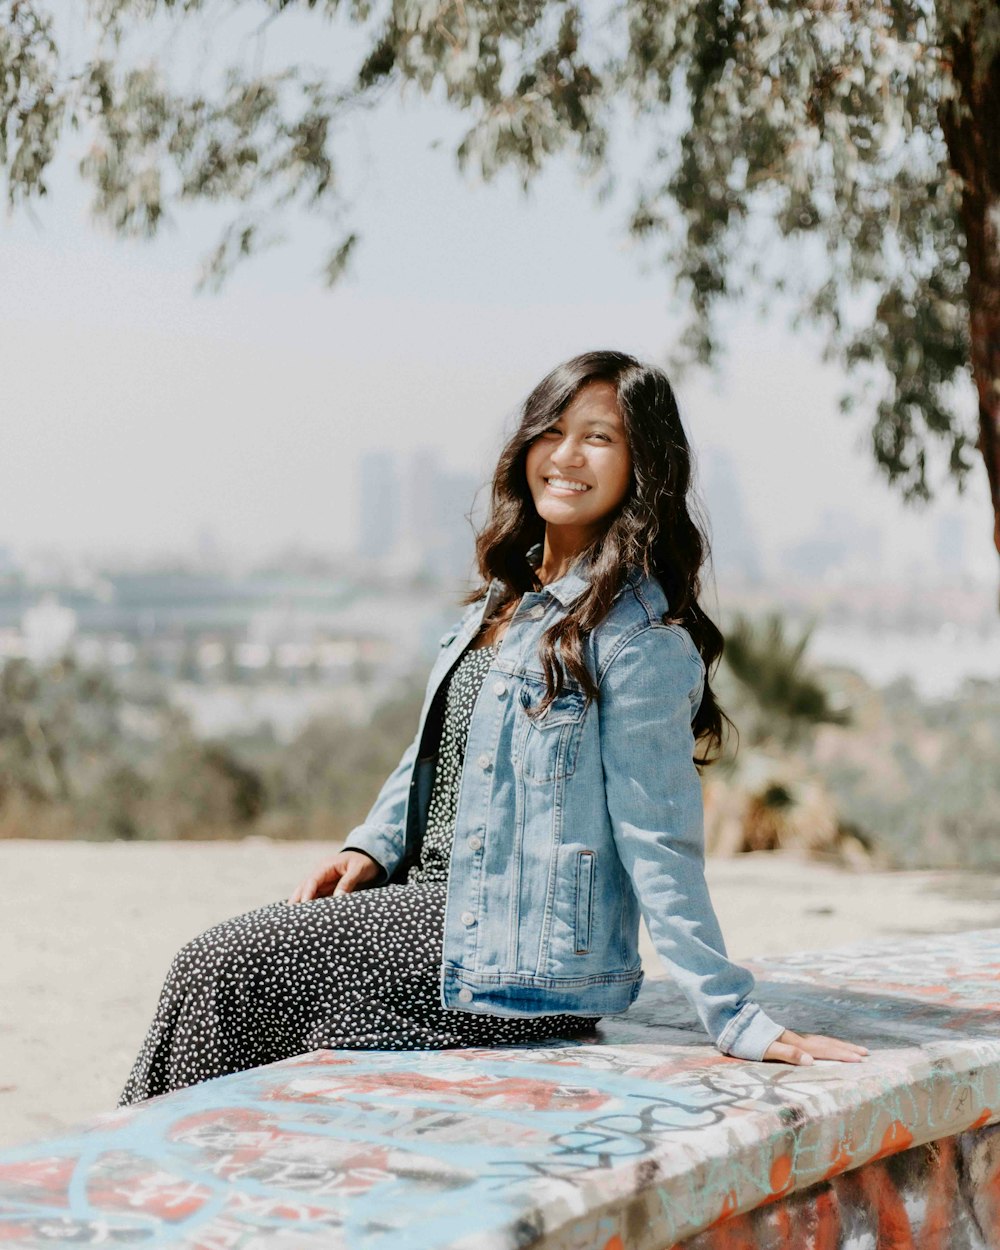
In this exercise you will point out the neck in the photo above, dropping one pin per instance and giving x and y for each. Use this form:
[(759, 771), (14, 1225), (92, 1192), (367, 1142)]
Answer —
[(561, 547)]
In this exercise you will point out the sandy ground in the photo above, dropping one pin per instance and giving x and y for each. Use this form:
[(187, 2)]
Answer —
[(88, 930)]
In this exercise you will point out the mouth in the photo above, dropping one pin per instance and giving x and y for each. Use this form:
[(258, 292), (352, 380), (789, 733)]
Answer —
[(565, 486)]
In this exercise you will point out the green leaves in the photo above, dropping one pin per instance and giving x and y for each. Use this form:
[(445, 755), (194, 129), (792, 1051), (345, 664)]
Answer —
[(863, 128), (31, 107), (789, 700)]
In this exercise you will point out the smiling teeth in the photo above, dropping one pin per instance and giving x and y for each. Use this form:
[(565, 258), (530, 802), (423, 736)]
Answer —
[(558, 481)]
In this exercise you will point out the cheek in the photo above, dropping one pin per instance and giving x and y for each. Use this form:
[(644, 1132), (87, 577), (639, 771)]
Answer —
[(619, 476), (531, 461)]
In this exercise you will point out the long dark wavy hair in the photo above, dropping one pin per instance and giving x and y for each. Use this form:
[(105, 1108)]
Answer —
[(656, 527)]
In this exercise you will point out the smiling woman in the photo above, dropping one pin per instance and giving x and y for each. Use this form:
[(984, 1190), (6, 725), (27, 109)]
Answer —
[(550, 795), (579, 470)]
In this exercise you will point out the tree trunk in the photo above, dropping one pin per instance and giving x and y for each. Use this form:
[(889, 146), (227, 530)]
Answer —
[(973, 139)]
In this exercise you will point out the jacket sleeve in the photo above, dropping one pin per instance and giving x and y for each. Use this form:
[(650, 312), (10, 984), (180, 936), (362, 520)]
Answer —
[(380, 835), (648, 696)]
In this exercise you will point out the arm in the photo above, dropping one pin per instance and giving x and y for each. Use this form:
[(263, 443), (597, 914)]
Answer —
[(649, 693), (372, 849), (380, 835)]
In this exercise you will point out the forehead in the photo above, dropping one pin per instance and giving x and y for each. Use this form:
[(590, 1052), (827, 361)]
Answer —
[(597, 401)]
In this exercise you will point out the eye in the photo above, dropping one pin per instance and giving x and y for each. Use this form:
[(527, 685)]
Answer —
[(598, 434)]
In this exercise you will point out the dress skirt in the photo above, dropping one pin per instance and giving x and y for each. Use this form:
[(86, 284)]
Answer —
[(357, 971)]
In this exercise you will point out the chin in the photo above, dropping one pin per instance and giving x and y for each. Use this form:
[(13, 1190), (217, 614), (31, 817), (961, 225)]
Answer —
[(559, 516)]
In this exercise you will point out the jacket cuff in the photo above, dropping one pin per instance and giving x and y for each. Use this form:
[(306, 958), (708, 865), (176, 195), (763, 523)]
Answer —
[(749, 1033), (382, 843)]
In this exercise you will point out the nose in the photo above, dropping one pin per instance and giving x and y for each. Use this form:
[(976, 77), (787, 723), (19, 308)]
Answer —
[(569, 452)]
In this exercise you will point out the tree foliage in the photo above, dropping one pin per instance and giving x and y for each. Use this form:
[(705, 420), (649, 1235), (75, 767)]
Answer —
[(85, 756), (787, 701), (863, 134), (69, 759)]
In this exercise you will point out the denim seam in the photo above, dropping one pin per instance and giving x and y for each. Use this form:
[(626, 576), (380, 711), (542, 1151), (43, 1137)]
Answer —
[(734, 1027), (689, 649), (527, 980), (545, 937), (619, 647), (693, 652)]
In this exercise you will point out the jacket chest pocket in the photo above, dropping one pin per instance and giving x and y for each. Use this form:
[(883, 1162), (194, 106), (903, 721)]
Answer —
[(549, 746)]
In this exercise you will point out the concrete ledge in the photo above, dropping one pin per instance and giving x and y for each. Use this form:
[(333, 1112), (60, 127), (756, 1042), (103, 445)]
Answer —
[(941, 1196), (647, 1139)]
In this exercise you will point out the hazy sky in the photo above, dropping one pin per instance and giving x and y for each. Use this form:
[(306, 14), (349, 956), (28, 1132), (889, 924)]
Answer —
[(135, 413)]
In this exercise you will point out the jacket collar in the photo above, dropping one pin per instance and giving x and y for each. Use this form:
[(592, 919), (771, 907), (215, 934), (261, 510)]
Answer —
[(571, 585)]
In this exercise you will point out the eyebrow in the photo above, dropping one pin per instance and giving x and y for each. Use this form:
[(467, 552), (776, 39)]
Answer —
[(608, 425)]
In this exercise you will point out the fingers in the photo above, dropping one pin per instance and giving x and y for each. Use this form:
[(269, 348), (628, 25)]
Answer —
[(356, 870), (299, 895), (785, 1053), (343, 874), (349, 880), (822, 1047), (318, 885), (805, 1048)]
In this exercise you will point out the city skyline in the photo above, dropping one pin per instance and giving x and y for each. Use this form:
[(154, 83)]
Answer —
[(138, 414), (401, 495)]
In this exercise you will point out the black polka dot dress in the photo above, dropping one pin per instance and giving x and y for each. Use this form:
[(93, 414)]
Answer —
[(358, 971), (435, 850)]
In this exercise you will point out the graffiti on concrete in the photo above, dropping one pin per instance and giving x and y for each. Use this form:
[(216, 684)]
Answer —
[(645, 1140), (942, 1196)]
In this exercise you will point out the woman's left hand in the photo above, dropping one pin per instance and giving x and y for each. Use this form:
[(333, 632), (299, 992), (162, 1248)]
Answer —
[(790, 1047)]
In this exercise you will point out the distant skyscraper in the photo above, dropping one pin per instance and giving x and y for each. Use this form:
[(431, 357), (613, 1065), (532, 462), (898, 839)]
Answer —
[(455, 499), (735, 551), (209, 554), (378, 505), (414, 515), (838, 546)]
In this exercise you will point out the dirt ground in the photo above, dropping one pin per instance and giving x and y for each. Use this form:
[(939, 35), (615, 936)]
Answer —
[(87, 931)]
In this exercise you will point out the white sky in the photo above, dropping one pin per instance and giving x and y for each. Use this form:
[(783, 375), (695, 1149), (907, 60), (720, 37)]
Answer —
[(136, 413)]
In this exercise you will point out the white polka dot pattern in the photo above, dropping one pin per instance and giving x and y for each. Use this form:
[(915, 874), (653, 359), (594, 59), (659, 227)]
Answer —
[(358, 971), (435, 850)]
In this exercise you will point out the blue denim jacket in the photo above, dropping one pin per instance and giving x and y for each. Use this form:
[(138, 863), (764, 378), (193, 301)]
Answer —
[(567, 828)]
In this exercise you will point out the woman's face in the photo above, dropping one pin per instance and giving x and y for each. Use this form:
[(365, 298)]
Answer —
[(585, 446)]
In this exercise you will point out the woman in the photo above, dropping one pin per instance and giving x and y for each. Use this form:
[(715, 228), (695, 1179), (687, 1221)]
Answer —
[(493, 893)]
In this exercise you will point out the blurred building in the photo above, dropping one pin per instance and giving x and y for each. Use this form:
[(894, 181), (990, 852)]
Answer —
[(379, 506), (735, 550), (839, 548), (414, 514)]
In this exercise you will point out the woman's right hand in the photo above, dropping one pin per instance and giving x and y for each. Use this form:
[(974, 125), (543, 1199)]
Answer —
[(350, 870)]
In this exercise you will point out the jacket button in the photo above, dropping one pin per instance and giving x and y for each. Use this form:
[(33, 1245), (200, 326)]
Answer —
[(499, 687), (465, 996), (536, 614), (467, 918), (474, 843), (483, 761)]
